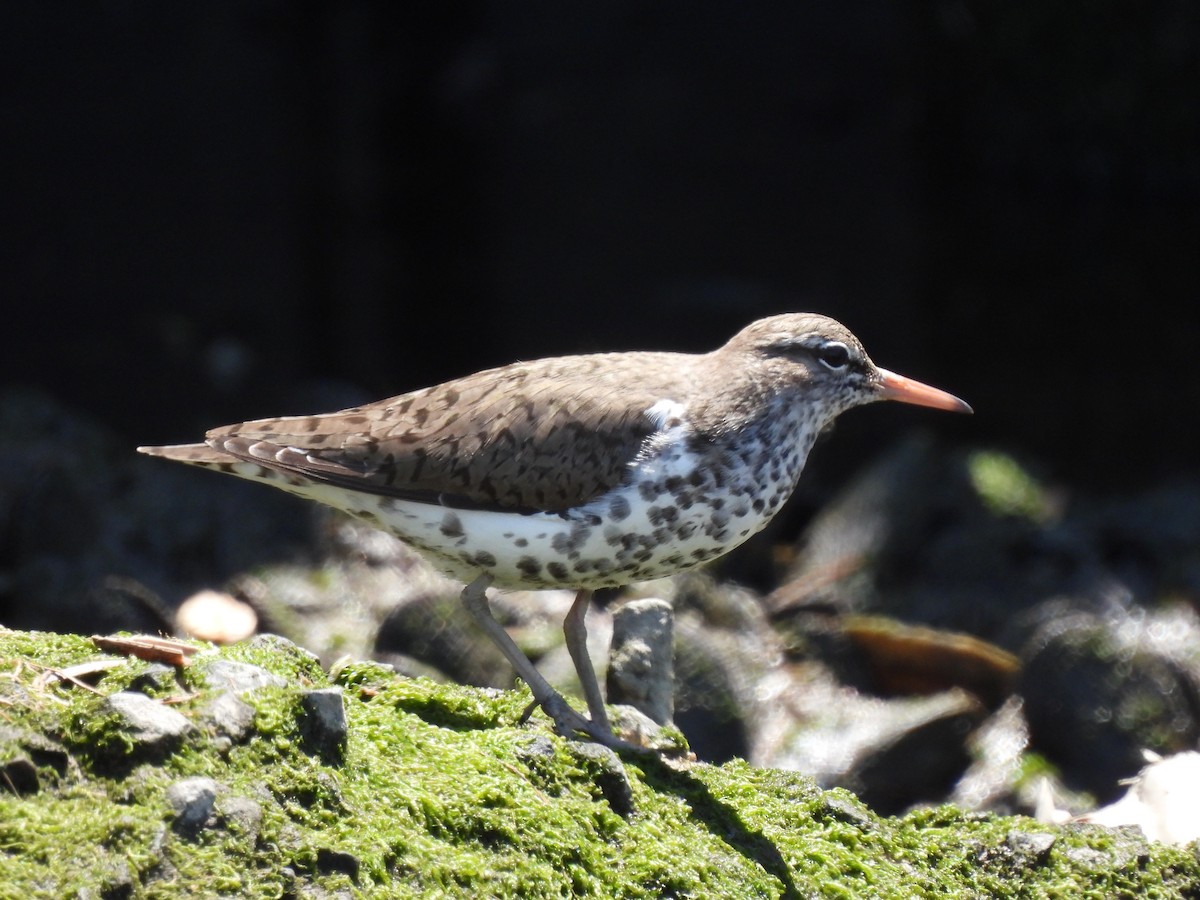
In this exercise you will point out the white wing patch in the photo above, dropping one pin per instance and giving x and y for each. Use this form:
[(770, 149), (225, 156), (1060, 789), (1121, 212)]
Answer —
[(667, 414)]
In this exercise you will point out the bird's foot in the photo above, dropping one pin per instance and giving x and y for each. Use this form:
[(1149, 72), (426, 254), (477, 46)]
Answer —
[(571, 724)]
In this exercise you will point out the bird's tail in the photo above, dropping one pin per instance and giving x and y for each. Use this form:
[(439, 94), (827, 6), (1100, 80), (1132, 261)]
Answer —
[(197, 454)]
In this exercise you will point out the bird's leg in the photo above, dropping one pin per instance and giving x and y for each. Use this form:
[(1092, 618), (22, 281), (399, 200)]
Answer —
[(575, 631), (566, 720)]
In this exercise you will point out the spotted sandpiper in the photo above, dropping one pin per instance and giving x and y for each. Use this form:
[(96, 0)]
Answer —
[(578, 472)]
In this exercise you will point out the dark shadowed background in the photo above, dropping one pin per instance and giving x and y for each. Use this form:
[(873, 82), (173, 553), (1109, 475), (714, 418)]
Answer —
[(223, 210)]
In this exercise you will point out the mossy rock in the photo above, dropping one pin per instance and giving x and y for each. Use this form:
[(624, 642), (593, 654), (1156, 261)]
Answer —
[(438, 792)]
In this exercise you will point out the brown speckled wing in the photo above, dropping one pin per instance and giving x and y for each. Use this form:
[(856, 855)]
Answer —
[(530, 436)]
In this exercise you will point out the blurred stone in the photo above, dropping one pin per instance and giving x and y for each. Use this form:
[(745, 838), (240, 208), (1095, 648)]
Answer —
[(433, 628), (217, 617), (997, 750), (917, 536), (1100, 690), (724, 650), (641, 670), (1151, 540), (891, 753), (903, 659)]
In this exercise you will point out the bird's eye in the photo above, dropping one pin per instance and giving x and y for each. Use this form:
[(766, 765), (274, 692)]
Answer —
[(834, 355)]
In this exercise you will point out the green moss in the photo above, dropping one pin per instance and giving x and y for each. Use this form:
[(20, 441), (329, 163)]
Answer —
[(442, 794), (1007, 489)]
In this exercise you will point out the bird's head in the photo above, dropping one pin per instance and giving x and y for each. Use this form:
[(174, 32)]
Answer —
[(821, 357)]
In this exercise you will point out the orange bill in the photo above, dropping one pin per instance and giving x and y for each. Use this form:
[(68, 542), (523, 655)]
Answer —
[(897, 387)]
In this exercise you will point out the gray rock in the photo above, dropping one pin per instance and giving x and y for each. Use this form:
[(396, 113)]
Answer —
[(151, 725), (230, 716), (193, 800), (609, 775), (324, 725), (243, 814), (641, 671), (843, 809), (1030, 848), (284, 647), (229, 675), (156, 678), (330, 861), (537, 748)]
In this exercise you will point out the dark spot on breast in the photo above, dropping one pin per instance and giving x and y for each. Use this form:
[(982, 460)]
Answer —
[(484, 559), (758, 505), (520, 542), (529, 565), (618, 509), (451, 526), (649, 491), (557, 570)]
